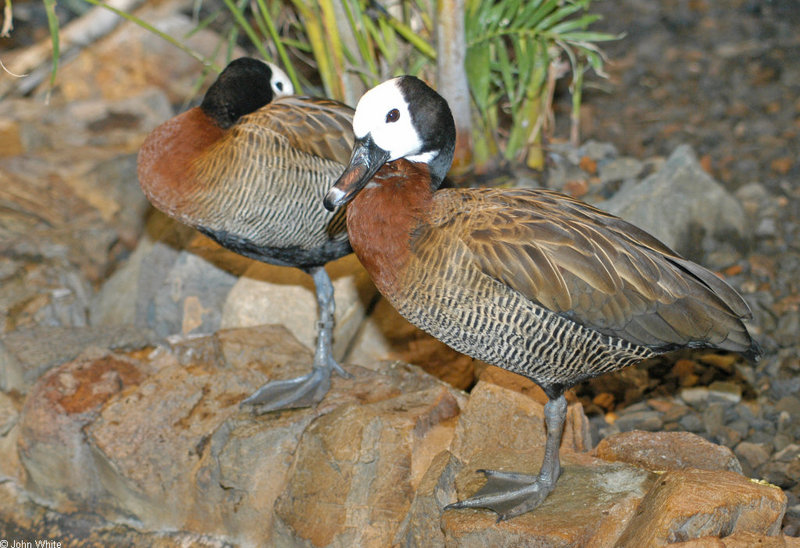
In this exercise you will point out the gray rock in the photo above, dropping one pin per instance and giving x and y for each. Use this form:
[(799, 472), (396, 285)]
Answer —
[(649, 421), (753, 454), (179, 282), (714, 418), (691, 423), (24, 357), (619, 169), (597, 150), (681, 205), (175, 282)]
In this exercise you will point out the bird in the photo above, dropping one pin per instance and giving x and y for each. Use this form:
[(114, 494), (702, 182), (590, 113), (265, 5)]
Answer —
[(530, 280), (249, 167)]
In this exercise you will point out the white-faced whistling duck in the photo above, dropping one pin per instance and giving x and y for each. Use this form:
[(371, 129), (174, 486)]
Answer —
[(529, 280), (250, 172)]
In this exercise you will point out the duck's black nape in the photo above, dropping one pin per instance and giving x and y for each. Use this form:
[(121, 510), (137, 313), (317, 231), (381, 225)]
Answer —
[(241, 88)]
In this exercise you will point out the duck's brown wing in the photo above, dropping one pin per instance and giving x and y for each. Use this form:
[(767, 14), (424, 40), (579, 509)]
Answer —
[(591, 267), (320, 127)]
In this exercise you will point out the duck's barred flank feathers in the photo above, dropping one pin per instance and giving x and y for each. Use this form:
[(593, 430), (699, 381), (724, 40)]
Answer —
[(504, 329), (281, 206)]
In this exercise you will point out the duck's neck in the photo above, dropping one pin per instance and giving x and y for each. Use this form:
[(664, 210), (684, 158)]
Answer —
[(382, 218)]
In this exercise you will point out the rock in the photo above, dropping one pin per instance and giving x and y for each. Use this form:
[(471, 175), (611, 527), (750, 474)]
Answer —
[(660, 451), (681, 204), (597, 150), (274, 294), (112, 68), (619, 169), (590, 507), (159, 440), (753, 454), (689, 504), (502, 436), (386, 335), (591, 502), (357, 468), (790, 405), (10, 138), (99, 126), (179, 282), (518, 383), (10, 468), (695, 396), (642, 420), (714, 418), (739, 540), (691, 423), (723, 391), (52, 443), (174, 283), (23, 357), (422, 524)]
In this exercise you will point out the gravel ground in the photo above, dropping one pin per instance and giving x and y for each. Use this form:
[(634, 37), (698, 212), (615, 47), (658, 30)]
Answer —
[(723, 77)]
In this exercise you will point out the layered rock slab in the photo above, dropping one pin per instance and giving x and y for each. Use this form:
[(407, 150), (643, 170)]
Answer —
[(158, 441)]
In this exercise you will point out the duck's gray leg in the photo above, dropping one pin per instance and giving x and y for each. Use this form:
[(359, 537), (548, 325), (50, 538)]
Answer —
[(309, 389), (511, 494)]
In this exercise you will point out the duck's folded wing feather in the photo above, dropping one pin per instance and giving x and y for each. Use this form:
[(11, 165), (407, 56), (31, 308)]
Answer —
[(320, 127), (592, 267)]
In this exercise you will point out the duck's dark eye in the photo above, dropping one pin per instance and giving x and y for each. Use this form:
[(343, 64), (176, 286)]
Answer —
[(393, 115), (279, 86)]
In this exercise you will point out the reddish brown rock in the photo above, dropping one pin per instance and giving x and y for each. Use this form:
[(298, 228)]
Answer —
[(52, 445), (500, 424), (591, 505), (660, 451), (689, 504), (501, 428), (357, 469)]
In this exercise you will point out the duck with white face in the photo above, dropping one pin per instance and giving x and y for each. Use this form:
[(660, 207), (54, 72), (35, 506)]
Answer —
[(532, 281)]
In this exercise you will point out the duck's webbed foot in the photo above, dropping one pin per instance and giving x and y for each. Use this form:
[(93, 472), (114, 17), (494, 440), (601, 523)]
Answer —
[(305, 391), (511, 494), (508, 494)]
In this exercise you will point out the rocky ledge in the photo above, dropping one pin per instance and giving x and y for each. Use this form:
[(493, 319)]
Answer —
[(150, 443)]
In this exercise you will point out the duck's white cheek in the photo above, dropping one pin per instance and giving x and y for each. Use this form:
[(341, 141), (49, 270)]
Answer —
[(399, 138)]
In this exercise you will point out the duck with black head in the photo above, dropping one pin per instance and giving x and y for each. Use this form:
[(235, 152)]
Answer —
[(249, 168), (533, 281)]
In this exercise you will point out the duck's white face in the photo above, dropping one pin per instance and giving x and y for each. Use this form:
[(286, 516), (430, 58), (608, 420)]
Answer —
[(280, 82), (383, 113)]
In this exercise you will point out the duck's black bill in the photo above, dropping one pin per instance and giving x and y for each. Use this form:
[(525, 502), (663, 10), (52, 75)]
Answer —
[(366, 160)]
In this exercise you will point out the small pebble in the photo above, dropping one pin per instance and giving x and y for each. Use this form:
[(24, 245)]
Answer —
[(714, 417), (725, 391), (691, 423), (754, 454), (696, 397)]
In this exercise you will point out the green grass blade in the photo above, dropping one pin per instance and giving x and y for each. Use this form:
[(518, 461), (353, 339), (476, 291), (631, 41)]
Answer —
[(245, 25), (272, 32), (52, 24)]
